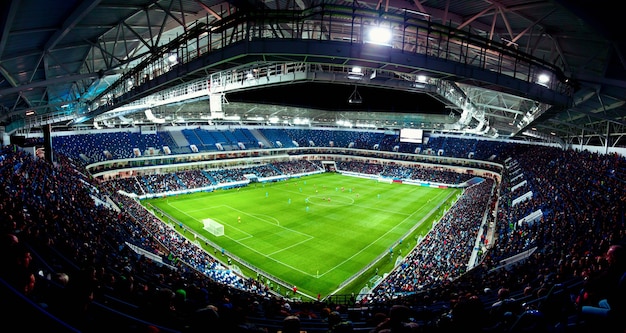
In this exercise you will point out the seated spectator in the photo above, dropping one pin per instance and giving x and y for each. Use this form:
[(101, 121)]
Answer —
[(161, 309), (504, 310), (306, 312), (376, 319), (468, 314), (505, 305), (397, 321), (285, 309), (603, 303), (336, 324), (18, 269), (291, 324), (203, 318)]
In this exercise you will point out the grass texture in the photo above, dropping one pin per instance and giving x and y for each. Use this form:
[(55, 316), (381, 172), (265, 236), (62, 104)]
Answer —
[(315, 232)]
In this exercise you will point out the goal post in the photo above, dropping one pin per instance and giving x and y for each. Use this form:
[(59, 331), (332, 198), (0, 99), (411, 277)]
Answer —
[(214, 227)]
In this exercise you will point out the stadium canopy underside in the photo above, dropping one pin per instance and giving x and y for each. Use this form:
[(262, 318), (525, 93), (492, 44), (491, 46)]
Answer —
[(546, 72)]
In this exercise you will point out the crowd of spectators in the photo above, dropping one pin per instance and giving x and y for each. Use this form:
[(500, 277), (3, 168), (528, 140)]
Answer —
[(206, 179), (67, 258), (96, 147), (445, 252)]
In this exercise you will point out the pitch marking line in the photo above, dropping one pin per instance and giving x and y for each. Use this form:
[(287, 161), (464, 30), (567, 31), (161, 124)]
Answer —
[(267, 219), (289, 266), (218, 220), (339, 203), (309, 237), (376, 241), (289, 247)]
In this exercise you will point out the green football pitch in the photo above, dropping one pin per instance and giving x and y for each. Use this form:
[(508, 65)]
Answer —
[(316, 232)]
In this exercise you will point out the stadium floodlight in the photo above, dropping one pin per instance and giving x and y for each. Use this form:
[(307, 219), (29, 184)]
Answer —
[(365, 125), (301, 121), (379, 35), (345, 123), (543, 79), (356, 73)]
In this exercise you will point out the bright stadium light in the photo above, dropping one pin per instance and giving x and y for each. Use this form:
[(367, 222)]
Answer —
[(301, 121), (543, 79), (379, 35), (355, 73)]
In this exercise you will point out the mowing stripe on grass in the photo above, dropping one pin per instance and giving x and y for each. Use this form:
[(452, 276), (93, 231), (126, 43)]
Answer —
[(318, 244)]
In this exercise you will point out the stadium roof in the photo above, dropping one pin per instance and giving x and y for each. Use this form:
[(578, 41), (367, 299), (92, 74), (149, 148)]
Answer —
[(70, 63)]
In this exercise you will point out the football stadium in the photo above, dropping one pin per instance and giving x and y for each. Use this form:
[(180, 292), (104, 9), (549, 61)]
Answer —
[(312, 166)]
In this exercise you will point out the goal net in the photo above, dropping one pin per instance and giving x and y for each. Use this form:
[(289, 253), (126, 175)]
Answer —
[(213, 227)]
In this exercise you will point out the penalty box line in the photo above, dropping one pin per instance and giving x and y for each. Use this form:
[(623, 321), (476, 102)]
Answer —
[(238, 241), (266, 255)]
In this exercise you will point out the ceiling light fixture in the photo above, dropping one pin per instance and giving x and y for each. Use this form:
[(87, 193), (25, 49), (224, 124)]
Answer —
[(379, 35)]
